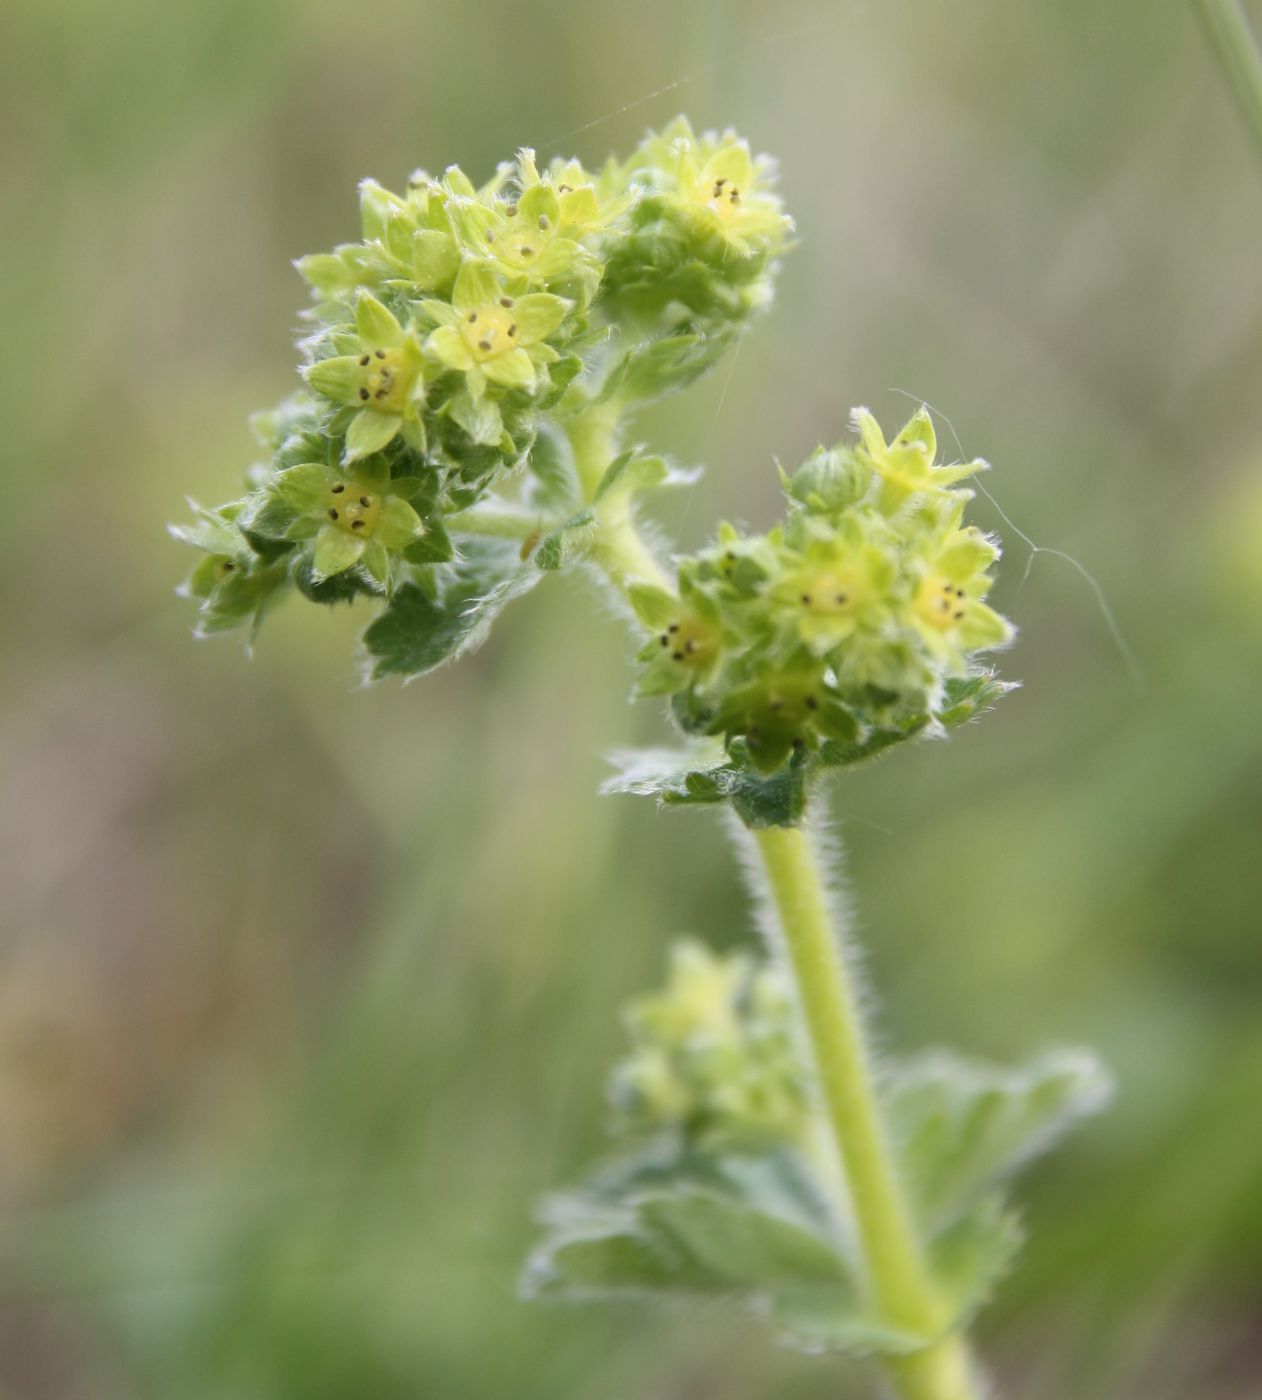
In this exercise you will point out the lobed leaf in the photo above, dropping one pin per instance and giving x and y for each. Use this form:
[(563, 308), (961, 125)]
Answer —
[(960, 1126), (419, 631)]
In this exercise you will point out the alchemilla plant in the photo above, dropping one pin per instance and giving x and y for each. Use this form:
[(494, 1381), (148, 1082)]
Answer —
[(471, 364)]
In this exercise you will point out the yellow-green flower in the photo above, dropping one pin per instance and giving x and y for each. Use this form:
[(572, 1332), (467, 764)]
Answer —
[(717, 186), (356, 516), (383, 380), (490, 336), (905, 466)]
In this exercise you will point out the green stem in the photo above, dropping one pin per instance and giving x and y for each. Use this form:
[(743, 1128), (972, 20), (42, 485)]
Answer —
[(898, 1277), (496, 524), (1237, 51), (617, 547)]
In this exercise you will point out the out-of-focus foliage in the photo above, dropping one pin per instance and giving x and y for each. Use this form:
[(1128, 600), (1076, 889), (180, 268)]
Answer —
[(277, 1082)]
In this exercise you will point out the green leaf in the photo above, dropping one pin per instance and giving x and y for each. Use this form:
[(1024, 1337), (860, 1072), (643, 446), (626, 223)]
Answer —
[(960, 1126), (969, 1257), (417, 633), (753, 1230), (685, 779), (559, 547), (673, 362), (631, 473)]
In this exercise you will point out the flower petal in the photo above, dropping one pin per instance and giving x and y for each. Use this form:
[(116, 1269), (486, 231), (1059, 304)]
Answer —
[(537, 315), (338, 378), (376, 325), (370, 432), (335, 552), (398, 524), (515, 370), (305, 487)]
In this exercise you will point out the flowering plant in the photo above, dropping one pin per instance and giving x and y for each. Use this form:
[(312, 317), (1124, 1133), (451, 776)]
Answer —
[(470, 368)]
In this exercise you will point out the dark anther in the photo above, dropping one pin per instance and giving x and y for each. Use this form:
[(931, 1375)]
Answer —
[(690, 645), (543, 221), (381, 393), (806, 598), (718, 185), (563, 189), (506, 301), (674, 627), (339, 488), (380, 354), (332, 515), (484, 344), (512, 330), (677, 655), (228, 566), (365, 500), (511, 211), (664, 639), (957, 615), (959, 592), (473, 318), (357, 524), (363, 394), (842, 599), (363, 359), (812, 703), (527, 252)]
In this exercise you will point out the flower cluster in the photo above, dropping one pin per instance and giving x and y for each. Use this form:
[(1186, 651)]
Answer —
[(852, 615), (467, 319), (713, 1059)]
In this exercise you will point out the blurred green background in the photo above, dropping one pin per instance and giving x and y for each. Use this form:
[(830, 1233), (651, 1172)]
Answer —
[(293, 1033)]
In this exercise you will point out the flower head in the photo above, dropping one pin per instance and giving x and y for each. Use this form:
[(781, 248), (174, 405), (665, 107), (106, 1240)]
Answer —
[(382, 381), (492, 337)]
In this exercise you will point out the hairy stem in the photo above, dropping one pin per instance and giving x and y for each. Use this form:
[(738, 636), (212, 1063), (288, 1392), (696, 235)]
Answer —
[(898, 1277), (1237, 52)]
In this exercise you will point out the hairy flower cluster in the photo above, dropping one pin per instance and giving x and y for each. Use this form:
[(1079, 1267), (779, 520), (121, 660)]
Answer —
[(850, 616), (460, 324), (713, 1058)]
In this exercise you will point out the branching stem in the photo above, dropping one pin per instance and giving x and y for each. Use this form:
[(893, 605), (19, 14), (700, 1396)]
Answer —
[(901, 1287)]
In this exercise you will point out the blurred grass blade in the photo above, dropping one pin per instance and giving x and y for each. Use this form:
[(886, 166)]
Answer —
[(1236, 49)]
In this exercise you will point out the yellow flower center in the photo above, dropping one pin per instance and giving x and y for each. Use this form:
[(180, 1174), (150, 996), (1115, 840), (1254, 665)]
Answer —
[(690, 642), (721, 196), (940, 603), (386, 380), (490, 330), (831, 593), (353, 509), (523, 241)]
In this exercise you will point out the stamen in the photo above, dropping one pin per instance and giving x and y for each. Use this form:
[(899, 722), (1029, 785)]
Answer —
[(363, 359), (543, 221), (339, 488), (512, 330), (365, 500), (507, 303), (381, 354), (333, 514), (357, 524), (484, 344), (363, 394)]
